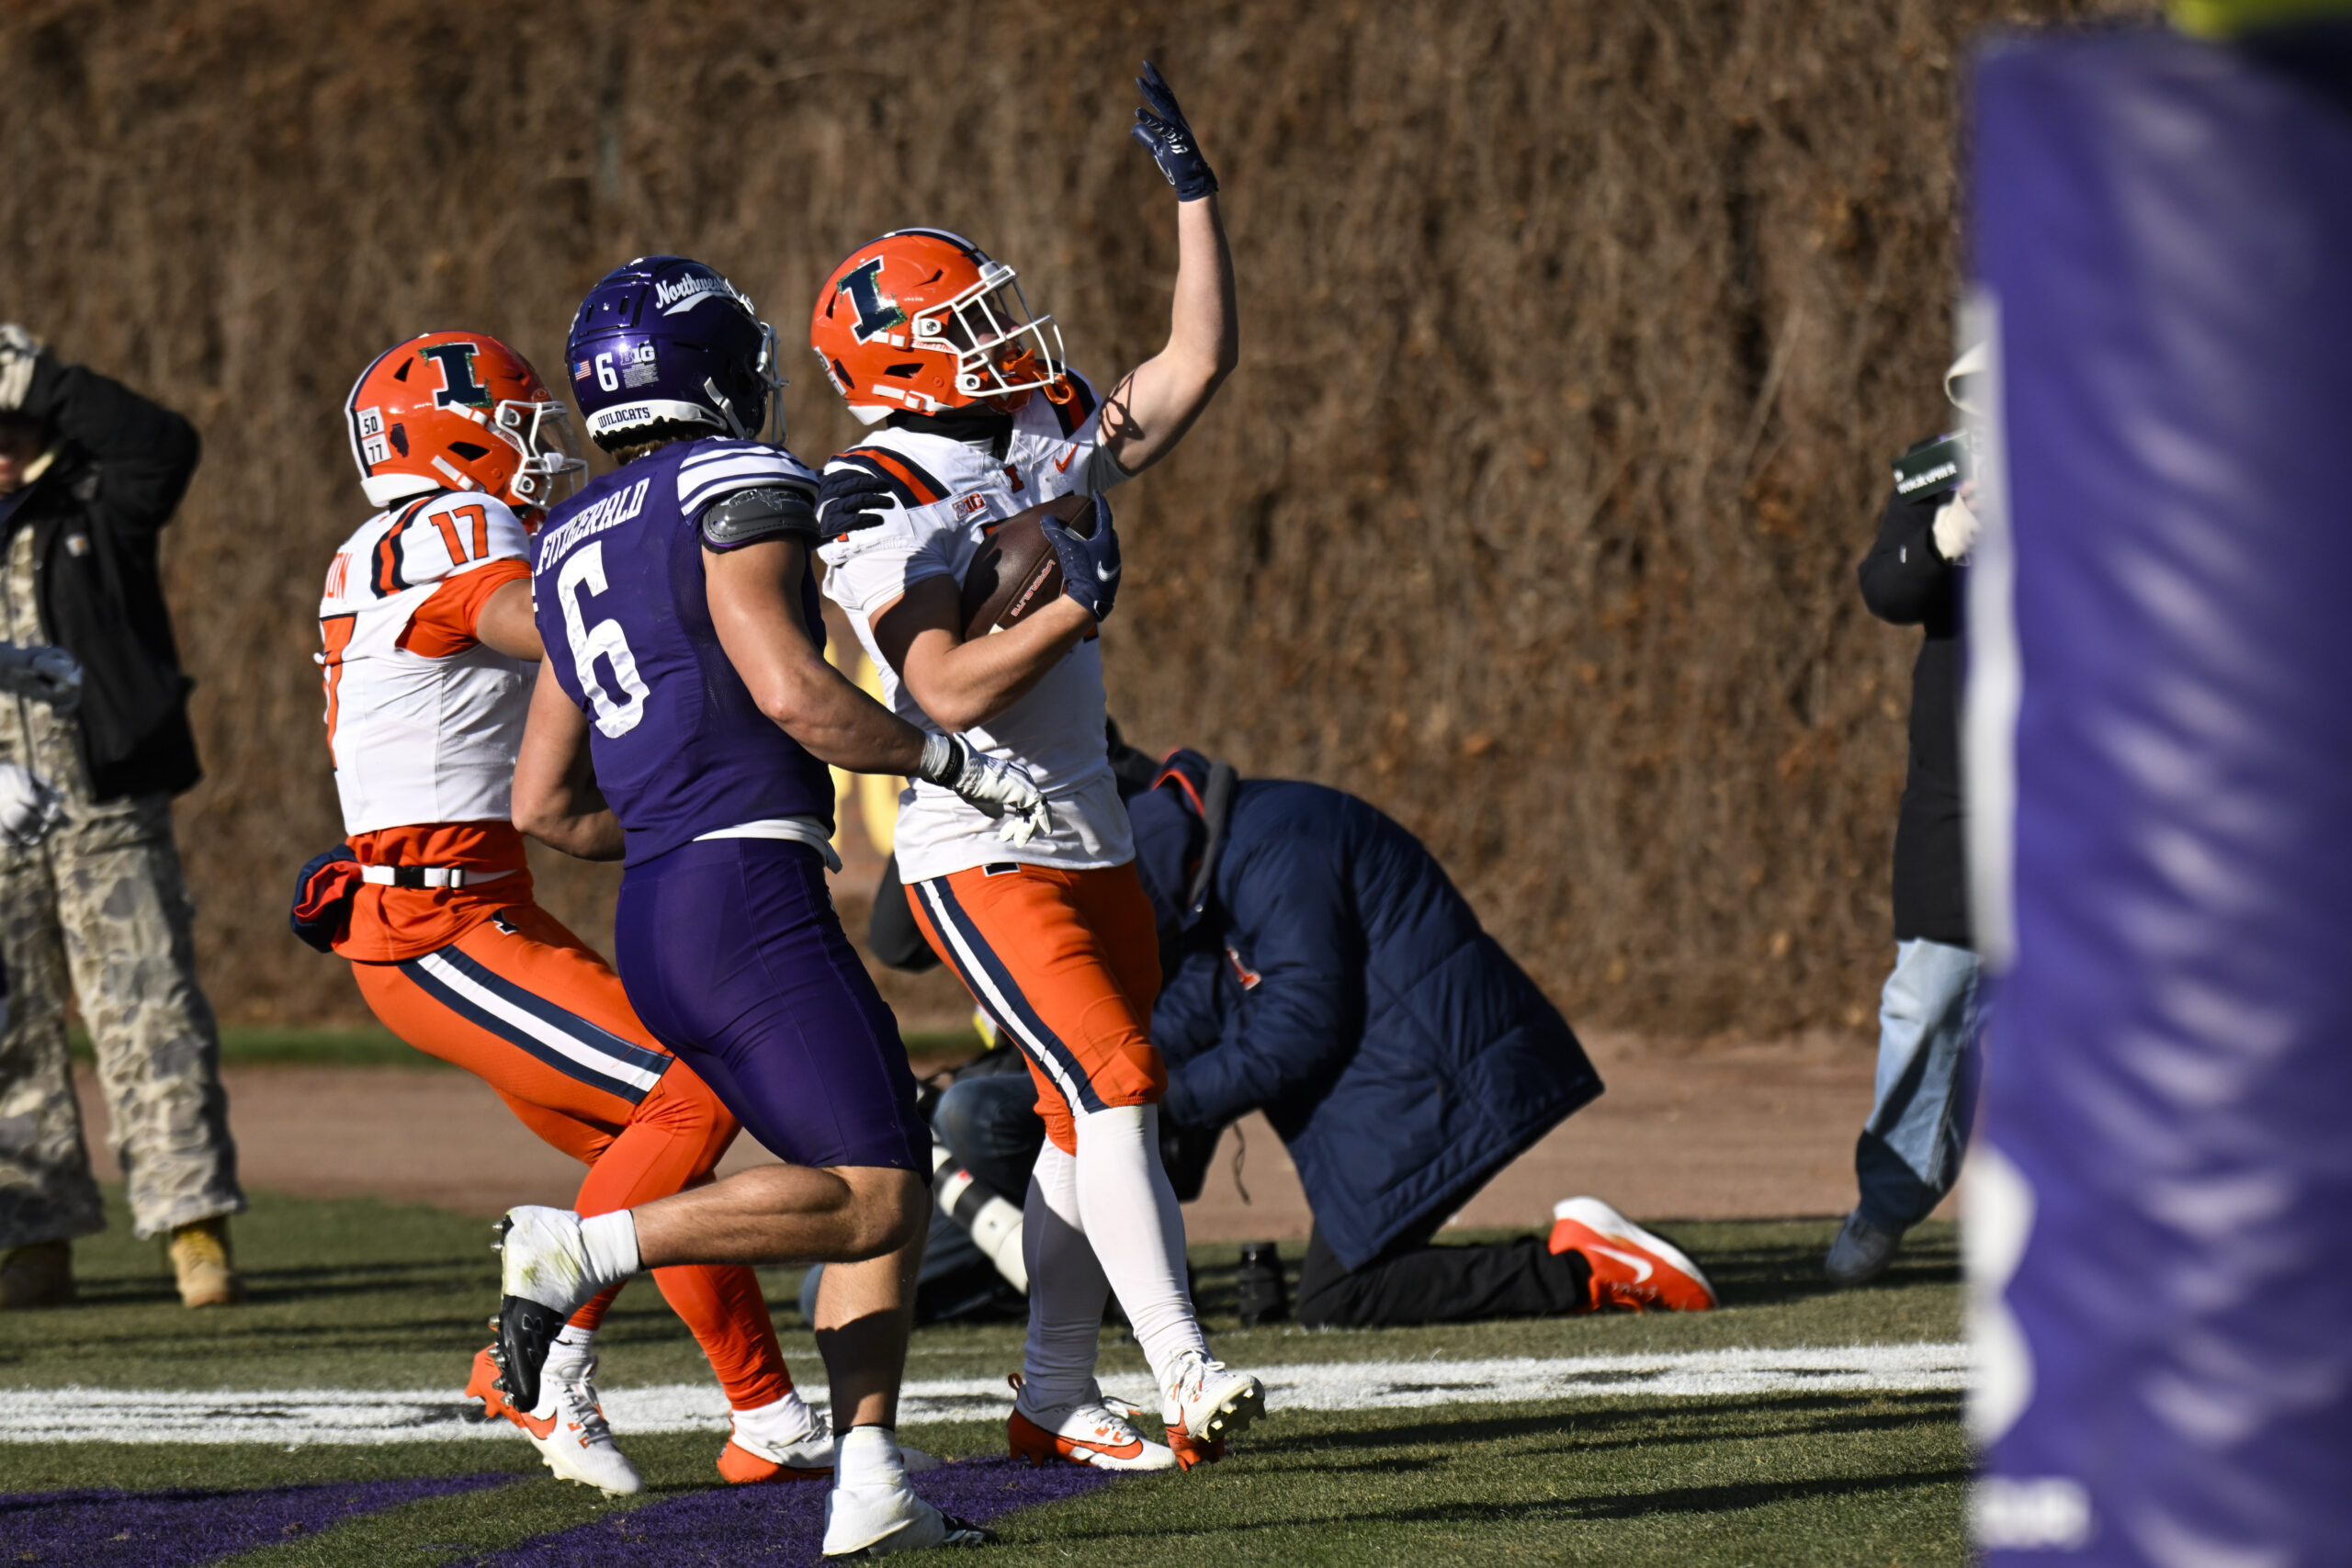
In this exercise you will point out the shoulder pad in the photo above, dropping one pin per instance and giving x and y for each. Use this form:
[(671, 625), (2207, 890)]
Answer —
[(747, 516), (716, 468), (440, 535)]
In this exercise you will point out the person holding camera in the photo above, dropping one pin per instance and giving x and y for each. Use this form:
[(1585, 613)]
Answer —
[(90, 472), (1324, 969), (1909, 1153)]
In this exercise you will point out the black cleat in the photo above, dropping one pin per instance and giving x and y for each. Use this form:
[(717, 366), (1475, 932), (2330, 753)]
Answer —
[(964, 1532), (527, 1331)]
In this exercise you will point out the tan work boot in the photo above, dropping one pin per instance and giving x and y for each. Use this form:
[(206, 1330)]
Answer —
[(40, 1275), (200, 1258)]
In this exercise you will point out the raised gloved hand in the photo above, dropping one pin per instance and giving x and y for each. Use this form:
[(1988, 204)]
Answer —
[(46, 674), (29, 807), (1162, 131), (997, 787), (1089, 561), (19, 351), (849, 499), (1955, 529)]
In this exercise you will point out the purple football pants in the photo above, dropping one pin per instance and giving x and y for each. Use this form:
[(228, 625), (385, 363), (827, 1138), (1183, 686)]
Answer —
[(735, 960)]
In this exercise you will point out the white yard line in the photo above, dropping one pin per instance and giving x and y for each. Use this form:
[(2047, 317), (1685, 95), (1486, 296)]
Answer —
[(292, 1417)]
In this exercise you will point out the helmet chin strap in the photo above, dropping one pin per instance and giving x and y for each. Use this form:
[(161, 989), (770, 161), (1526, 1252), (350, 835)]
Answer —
[(726, 408)]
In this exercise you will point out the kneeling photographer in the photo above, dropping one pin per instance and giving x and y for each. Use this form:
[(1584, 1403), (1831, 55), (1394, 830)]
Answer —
[(1321, 967)]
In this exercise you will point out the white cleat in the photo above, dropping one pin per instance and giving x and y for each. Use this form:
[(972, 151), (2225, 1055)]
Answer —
[(1097, 1431), (569, 1430), (1208, 1403), (875, 1521)]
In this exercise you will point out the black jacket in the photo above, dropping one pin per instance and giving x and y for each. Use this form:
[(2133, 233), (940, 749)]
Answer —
[(1906, 583), (1331, 976), (95, 515)]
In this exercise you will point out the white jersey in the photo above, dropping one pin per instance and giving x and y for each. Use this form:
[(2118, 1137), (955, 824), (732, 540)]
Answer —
[(423, 722), (950, 494)]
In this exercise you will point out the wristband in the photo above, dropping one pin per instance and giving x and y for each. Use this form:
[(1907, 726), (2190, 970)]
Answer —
[(943, 762)]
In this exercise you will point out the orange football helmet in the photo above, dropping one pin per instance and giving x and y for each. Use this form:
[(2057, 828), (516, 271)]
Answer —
[(923, 320), (461, 410)]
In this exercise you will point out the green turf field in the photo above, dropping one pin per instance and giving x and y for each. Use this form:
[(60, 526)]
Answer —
[(364, 1295)]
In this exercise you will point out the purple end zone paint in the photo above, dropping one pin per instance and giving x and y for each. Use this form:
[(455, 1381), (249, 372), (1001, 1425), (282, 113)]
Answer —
[(184, 1528), (2161, 1223), (781, 1525)]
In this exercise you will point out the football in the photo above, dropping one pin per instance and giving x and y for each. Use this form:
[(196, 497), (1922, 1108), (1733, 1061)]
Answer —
[(1016, 570)]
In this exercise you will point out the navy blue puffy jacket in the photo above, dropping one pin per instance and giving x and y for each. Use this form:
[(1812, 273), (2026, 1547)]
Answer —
[(1334, 979)]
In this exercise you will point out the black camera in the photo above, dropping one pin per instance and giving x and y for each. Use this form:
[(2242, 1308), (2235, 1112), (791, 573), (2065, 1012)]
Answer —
[(1933, 468)]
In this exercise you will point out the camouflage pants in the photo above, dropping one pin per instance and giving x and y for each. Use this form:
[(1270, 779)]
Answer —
[(102, 902)]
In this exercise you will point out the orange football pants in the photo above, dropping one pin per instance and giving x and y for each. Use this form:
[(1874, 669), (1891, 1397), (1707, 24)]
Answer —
[(1067, 963), (530, 1009)]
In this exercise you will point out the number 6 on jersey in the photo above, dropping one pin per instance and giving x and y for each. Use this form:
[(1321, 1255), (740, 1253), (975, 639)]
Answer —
[(583, 577)]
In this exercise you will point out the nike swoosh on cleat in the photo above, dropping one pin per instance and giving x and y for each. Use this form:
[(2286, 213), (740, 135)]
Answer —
[(1642, 1265), (1131, 1449)]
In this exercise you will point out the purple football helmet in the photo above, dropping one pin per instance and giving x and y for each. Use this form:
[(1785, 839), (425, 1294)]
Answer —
[(665, 342)]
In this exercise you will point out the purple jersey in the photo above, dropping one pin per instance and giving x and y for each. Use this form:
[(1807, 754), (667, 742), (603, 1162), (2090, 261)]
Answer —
[(679, 749)]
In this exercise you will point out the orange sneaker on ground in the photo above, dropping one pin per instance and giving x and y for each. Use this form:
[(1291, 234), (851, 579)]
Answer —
[(782, 1441), (1631, 1269), (1098, 1431)]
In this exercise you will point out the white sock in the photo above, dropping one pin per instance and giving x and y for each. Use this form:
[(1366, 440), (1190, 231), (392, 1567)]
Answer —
[(572, 1350), (782, 1422), (868, 1456), (1067, 1289), (1130, 1216), (610, 1241)]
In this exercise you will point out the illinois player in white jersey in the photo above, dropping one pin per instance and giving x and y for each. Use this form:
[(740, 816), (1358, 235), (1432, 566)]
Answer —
[(930, 338), (430, 653)]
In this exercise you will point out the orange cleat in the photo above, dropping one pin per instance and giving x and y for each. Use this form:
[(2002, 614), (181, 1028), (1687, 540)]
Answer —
[(1190, 1452), (743, 1466), (1631, 1270), (484, 1387)]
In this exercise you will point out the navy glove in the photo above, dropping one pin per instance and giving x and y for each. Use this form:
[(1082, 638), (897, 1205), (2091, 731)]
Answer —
[(848, 499), (1089, 560), (1162, 131)]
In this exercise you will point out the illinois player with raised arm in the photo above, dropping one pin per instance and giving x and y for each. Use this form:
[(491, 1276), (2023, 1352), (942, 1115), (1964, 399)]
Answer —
[(931, 338), (683, 722), (429, 652)]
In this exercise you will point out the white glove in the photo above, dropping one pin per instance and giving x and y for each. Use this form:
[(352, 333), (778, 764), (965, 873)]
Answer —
[(46, 674), (997, 787), (1955, 529), (28, 809), (19, 350)]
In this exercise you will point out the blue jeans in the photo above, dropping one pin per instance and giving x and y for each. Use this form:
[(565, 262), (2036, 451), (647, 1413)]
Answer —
[(1928, 1022)]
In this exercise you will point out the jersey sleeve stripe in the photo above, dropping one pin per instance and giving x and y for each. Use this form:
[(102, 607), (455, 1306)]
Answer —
[(389, 577), (866, 465), (700, 488), (1074, 410), (922, 489)]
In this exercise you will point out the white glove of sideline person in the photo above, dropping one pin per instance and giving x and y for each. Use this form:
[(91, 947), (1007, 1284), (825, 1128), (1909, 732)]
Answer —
[(1955, 529), (28, 809), (995, 787), (19, 350), (46, 674)]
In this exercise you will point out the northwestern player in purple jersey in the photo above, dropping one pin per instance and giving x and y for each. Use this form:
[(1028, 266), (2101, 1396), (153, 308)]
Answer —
[(683, 723)]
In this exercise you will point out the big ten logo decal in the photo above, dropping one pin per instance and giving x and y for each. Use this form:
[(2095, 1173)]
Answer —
[(877, 311), (457, 384)]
